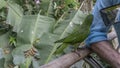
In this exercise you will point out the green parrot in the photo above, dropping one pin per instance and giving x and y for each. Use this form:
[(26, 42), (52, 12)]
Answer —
[(77, 36)]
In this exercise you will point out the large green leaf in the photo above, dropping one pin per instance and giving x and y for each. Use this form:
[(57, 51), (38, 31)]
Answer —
[(31, 29), (14, 16), (63, 22), (2, 4), (45, 46)]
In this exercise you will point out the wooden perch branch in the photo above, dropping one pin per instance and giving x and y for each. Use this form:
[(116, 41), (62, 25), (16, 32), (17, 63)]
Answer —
[(67, 60)]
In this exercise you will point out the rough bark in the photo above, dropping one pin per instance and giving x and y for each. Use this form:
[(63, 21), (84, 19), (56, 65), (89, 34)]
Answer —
[(67, 60)]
